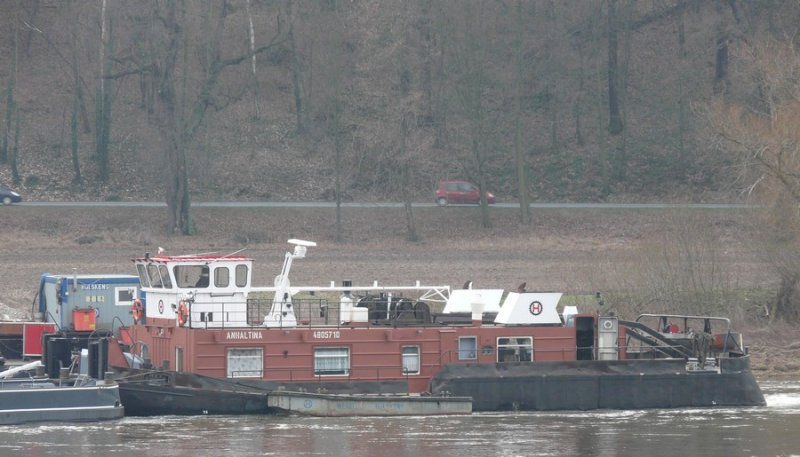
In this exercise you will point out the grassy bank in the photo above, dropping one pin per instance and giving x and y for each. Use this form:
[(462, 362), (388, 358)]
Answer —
[(688, 261)]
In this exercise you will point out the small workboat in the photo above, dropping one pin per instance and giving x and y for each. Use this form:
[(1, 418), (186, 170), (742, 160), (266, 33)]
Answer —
[(26, 397), (159, 393)]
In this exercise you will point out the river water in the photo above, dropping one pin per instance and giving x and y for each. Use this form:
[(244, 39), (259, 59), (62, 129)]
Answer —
[(773, 430)]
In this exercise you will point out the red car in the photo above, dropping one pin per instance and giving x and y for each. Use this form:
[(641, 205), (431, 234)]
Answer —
[(449, 191)]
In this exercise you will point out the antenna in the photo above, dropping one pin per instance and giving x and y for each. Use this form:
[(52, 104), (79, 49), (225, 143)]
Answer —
[(234, 252)]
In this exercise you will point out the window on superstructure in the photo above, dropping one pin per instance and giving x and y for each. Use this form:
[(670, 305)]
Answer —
[(144, 279), (467, 348), (411, 360), (245, 362), (331, 361), (165, 280), (516, 349), (191, 276), (222, 277), (154, 275), (241, 275)]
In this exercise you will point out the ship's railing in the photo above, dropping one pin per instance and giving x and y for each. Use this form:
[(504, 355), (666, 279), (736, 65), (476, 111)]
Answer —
[(311, 312), (698, 334), (687, 320), (563, 353)]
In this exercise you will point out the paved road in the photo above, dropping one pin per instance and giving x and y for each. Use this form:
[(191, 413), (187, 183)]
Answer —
[(389, 205)]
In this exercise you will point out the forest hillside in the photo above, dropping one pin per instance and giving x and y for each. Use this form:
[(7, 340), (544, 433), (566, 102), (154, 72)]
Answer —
[(574, 100)]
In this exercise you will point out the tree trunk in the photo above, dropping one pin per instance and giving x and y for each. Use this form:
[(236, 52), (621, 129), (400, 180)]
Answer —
[(721, 53), (76, 165), (614, 113), (426, 50), (31, 20), (440, 107), (785, 306), (15, 153), (337, 145), (405, 170), (683, 67), (103, 102), (578, 110), (334, 127), (486, 222), (620, 166), (253, 61), (12, 81), (519, 151), (297, 77), (171, 129), (411, 233), (76, 102)]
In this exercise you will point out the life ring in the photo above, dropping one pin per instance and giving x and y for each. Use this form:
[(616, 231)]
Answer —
[(183, 313), (137, 311)]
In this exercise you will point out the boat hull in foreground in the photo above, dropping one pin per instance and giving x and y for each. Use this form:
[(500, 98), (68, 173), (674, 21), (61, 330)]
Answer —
[(24, 401)]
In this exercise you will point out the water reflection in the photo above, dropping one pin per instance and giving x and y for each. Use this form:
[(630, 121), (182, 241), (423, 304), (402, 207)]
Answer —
[(768, 431)]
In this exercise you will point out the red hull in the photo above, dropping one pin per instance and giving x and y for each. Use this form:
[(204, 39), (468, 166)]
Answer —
[(374, 353)]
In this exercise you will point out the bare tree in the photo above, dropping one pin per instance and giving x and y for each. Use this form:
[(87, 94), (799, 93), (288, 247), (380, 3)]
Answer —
[(179, 110), (614, 110), (683, 115), (763, 140), (521, 70), (10, 103), (336, 131), (471, 82), (297, 75), (15, 151), (405, 171), (253, 67), (332, 110), (721, 51), (103, 96), (77, 98)]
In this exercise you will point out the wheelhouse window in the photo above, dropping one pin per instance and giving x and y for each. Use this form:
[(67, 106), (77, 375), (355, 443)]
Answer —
[(241, 275), (222, 277), (245, 362), (144, 279), (467, 348), (154, 273), (191, 276), (165, 279), (517, 349), (331, 361), (411, 360)]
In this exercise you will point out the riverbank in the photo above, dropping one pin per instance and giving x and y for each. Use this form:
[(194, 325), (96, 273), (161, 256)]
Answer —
[(576, 251)]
